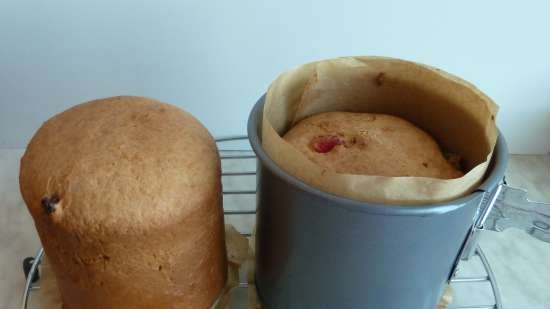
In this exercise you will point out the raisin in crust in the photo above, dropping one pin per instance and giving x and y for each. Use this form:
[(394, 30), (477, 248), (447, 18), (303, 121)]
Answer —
[(370, 144), (125, 194)]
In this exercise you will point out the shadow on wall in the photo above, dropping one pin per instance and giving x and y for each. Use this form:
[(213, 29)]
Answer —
[(525, 109)]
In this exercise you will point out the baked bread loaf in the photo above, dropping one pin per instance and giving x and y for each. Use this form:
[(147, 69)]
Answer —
[(125, 193), (370, 144)]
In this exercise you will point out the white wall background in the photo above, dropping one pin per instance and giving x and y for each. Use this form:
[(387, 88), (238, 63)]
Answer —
[(215, 58)]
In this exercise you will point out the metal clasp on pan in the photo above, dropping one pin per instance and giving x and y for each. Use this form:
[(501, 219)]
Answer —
[(507, 207), (512, 208)]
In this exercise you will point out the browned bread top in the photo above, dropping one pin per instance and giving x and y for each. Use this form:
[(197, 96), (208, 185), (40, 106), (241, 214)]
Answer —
[(370, 144), (119, 165)]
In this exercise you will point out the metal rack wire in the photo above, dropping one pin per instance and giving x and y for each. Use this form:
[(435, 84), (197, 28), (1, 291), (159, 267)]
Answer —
[(238, 164)]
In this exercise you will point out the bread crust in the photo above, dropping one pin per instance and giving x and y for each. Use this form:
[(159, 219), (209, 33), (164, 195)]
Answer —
[(370, 144), (125, 193)]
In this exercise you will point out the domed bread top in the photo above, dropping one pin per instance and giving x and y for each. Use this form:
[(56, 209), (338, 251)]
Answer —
[(120, 165), (370, 144)]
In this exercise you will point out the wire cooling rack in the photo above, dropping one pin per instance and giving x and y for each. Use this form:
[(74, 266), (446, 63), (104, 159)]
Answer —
[(474, 285)]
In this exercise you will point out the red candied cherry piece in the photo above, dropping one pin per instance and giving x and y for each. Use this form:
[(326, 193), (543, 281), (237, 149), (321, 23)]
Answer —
[(324, 144)]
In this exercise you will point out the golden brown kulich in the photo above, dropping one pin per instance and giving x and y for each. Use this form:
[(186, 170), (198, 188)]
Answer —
[(125, 193), (370, 144)]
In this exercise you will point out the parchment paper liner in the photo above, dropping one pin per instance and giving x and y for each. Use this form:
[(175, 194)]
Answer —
[(459, 116)]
